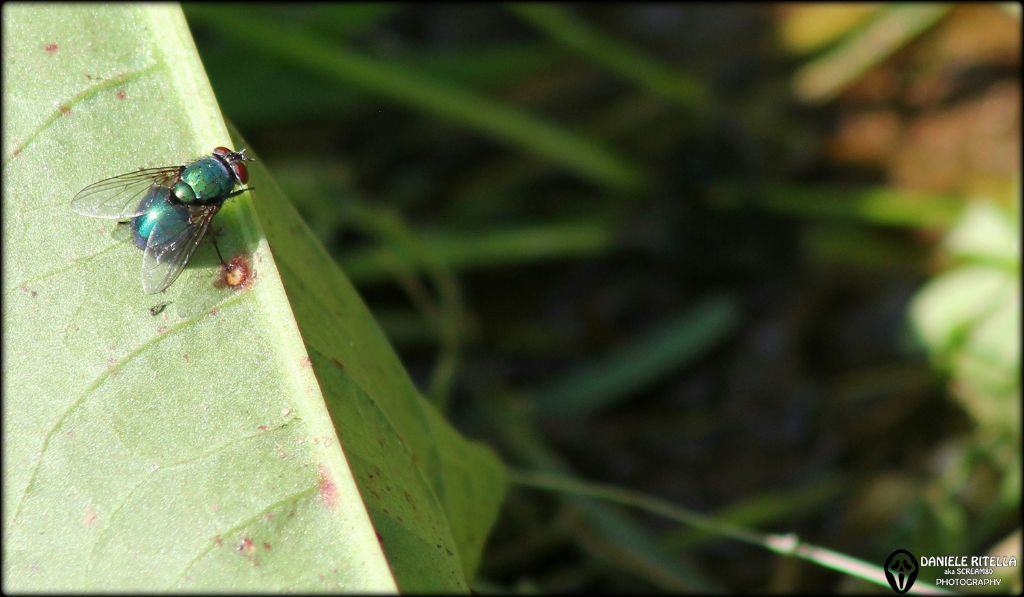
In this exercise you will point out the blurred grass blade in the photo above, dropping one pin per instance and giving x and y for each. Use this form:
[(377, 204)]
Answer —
[(625, 545), (497, 65), (806, 28), (855, 245), (882, 206), (277, 103), (764, 508), (623, 121), (894, 26), (349, 18), (396, 83), (784, 544), (489, 248), (621, 375), (657, 78)]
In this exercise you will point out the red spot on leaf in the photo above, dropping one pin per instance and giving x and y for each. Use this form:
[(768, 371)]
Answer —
[(51, 48), (161, 329), (246, 546), (266, 545), (305, 362), (328, 491), (218, 541), (65, 109), (17, 151), (263, 427), (121, 94), (214, 311), (89, 517)]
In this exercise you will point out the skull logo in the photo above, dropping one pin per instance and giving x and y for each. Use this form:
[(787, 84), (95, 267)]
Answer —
[(901, 570)]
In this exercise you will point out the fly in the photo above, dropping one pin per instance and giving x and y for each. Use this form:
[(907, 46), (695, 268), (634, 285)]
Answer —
[(169, 208)]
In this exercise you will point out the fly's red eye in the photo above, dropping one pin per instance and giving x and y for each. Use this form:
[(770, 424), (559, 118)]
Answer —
[(221, 150), (241, 172)]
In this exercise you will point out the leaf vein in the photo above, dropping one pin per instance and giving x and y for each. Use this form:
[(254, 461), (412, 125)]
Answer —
[(158, 468), (202, 553), (74, 263), (92, 387), (77, 99)]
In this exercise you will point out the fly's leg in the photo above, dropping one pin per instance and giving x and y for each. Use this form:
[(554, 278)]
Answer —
[(215, 233), (213, 239), (237, 193)]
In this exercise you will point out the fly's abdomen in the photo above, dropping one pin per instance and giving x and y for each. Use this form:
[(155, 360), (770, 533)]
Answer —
[(160, 213), (203, 181)]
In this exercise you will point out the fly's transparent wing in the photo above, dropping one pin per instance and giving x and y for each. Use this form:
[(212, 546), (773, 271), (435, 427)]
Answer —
[(171, 245), (118, 197)]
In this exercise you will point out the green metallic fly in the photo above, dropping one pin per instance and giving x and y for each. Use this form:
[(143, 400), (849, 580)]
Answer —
[(169, 208)]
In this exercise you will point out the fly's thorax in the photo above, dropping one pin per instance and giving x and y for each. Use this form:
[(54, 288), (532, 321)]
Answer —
[(157, 208), (204, 181)]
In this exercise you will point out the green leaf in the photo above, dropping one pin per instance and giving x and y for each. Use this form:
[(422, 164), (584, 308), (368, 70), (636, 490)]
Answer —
[(956, 300), (262, 439), (969, 317), (986, 234)]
